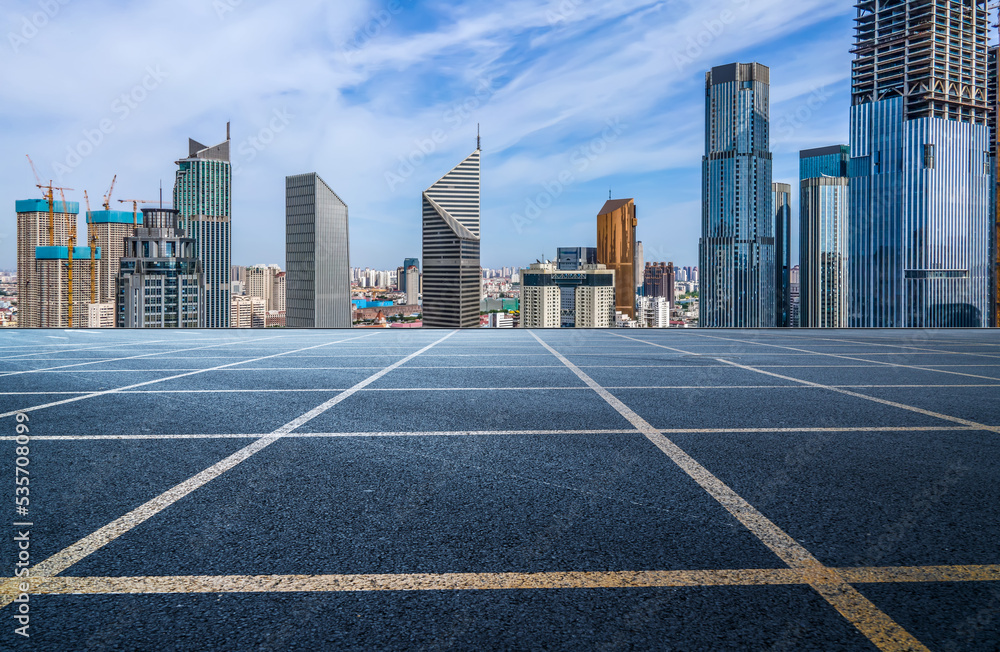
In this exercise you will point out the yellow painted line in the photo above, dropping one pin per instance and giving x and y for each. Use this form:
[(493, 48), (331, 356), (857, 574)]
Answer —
[(62, 560), (63, 585), (892, 575), (414, 582), (875, 624)]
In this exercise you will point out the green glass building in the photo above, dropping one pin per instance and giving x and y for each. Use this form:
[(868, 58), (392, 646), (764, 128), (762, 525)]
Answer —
[(203, 197)]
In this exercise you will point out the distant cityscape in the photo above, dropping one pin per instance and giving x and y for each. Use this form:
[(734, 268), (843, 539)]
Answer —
[(898, 228)]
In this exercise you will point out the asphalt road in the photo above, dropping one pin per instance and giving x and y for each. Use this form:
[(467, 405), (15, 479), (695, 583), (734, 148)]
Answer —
[(549, 490)]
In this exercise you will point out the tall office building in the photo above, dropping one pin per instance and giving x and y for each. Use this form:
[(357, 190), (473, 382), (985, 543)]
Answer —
[(592, 288), (110, 229), (659, 280), (823, 215), (203, 193), (992, 96), (402, 280), (279, 292), (451, 241), (738, 257), (317, 254), (920, 173), (781, 198), (616, 249), (795, 292), (159, 280), (33, 232)]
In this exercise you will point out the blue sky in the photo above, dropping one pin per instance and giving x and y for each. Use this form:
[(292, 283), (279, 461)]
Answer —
[(575, 97)]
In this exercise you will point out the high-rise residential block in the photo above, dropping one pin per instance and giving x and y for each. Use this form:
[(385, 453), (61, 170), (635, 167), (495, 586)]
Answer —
[(451, 243), (261, 282), (654, 312), (160, 281), (402, 280), (543, 286), (248, 312), (738, 258), (317, 255), (616, 249), (203, 194), (33, 231), (781, 198), (659, 280), (62, 302), (109, 229), (279, 293), (412, 285), (920, 220), (823, 221)]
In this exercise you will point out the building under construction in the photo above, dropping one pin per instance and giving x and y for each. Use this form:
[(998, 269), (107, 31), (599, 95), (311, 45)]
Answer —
[(33, 230), (109, 230), (58, 303), (921, 175)]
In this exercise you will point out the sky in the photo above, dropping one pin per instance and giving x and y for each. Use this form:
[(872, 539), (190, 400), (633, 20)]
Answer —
[(575, 98)]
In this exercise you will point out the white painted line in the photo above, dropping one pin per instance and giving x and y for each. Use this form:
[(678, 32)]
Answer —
[(160, 380), (72, 554), (131, 357), (909, 408), (505, 433), (860, 611)]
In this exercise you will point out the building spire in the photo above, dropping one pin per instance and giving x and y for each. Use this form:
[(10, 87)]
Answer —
[(479, 141)]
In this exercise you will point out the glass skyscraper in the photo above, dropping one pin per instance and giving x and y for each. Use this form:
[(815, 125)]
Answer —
[(738, 258), (317, 255), (451, 241), (920, 170), (203, 193), (781, 199), (823, 213)]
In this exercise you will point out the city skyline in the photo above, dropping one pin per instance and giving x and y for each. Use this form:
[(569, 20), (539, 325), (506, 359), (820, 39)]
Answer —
[(645, 148)]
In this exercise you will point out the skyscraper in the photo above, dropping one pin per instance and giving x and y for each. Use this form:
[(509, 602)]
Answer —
[(401, 279), (823, 216), (109, 229), (640, 266), (616, 249), (451, 242), (658, 282), (781, 198), (159, 281), (737, 259), (591, 289), (920, 172), (33, 232), (993, 96), (574, 258), (317, 254), (203, 196)]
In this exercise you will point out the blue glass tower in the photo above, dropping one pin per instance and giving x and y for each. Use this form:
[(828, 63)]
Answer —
[(823, 213), (920, 173), (781, 199), (737, 258)]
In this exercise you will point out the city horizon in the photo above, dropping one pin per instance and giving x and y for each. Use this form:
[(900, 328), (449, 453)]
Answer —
[(648, 149)]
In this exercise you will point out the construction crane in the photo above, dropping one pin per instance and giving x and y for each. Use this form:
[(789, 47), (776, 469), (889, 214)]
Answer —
[(69, 260), (135, 207), (48, 193), (93, 246), (107, 197)]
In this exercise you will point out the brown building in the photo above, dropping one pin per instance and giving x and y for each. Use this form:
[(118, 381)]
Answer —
[(659, 281), (616, 249)]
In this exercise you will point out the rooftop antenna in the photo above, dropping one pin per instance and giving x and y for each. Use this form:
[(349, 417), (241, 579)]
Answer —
[(609, 194), (161, 194), (227, 131), (479, 140)]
